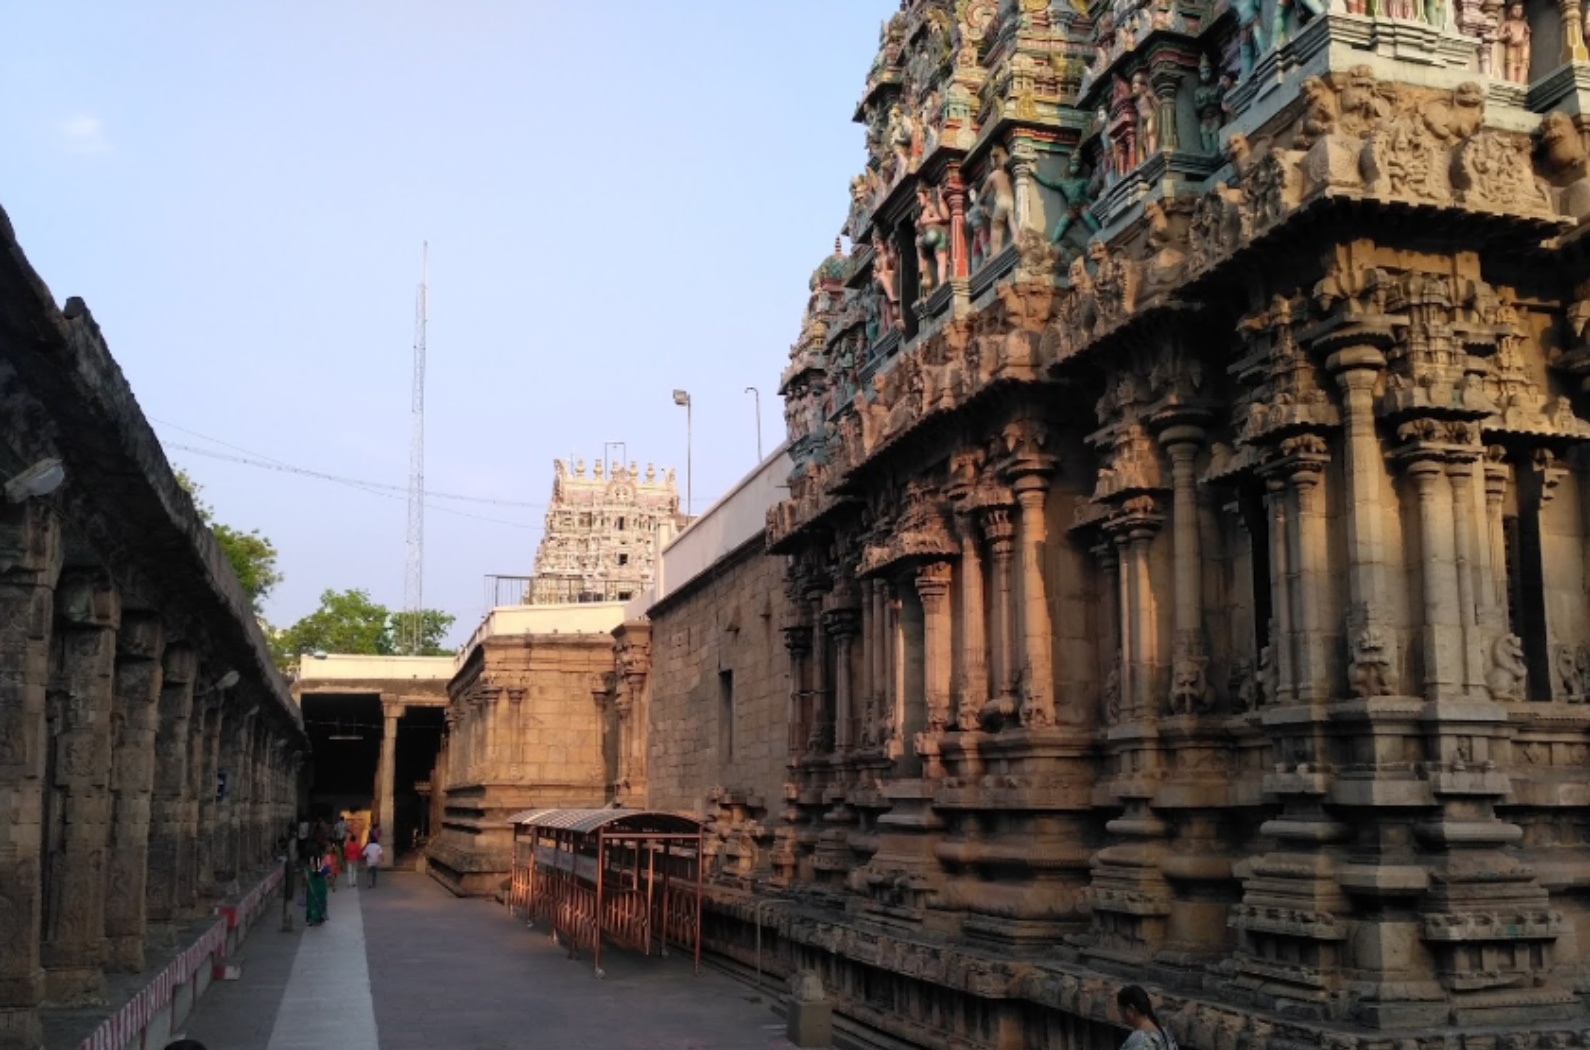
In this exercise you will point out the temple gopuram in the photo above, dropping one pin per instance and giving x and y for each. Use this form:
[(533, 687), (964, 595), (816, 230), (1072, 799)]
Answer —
[(1187, 539), (599, 542)]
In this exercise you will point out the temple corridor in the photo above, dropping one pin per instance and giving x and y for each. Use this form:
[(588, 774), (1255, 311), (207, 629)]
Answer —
[(408, 966)]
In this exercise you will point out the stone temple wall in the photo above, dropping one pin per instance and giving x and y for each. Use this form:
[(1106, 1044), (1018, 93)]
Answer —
[(717, 654), (149, 753), (1185, 543), (525, 731)]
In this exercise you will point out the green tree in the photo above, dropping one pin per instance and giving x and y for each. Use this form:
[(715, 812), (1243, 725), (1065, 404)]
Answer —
[(351, 622), (346, 622), (251, 554), (433, 627)]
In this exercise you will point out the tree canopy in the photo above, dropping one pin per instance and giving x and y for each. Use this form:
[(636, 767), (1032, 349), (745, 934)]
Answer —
[(351, 622), (251, 554)]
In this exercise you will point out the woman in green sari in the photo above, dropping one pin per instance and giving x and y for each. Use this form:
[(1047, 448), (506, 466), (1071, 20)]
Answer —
[(315, 871)]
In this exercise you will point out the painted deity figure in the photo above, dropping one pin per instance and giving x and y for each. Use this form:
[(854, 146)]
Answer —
[(1515, 45), (1209, 99), (930, 123), (1147, 117), (932, 239), (1288, 15), (1106, 147), (1073, 190), (1250, 35), (900, 133), (883, 275), (998, 199)]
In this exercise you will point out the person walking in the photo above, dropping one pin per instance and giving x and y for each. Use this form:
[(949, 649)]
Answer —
[(372, 857), (350, 860), (316, 867), (1138, 1013)]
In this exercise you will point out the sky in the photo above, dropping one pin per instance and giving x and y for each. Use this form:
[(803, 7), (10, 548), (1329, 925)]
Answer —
[(620, 199)]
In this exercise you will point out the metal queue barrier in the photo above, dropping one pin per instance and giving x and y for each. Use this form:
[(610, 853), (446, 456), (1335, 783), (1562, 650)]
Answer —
[(631, 877)]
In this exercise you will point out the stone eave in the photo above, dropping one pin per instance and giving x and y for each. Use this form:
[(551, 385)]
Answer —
[(118, 474)]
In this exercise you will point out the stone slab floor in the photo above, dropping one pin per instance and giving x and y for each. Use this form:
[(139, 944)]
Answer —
[(408, 966)]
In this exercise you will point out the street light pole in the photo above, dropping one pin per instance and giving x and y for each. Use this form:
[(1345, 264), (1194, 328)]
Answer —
[(758, 394), (682, 397)]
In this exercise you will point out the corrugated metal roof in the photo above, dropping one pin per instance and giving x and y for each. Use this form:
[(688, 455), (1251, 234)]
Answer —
[(585, 821)]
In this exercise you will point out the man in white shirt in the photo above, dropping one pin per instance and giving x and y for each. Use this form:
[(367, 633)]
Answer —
[(372, 859)]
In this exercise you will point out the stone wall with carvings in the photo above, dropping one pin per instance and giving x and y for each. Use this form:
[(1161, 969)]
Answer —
[(1186, 531), (718, 706), (527, 728), (149, 752)]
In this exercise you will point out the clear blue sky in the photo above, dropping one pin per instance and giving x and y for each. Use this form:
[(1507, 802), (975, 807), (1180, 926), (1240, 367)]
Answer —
[(620, 198)]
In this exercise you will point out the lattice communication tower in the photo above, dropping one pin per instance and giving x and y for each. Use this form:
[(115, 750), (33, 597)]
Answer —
[(414, 580)]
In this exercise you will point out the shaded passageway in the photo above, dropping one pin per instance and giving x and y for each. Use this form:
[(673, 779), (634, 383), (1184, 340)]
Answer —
[(376, 723), (436, 970)]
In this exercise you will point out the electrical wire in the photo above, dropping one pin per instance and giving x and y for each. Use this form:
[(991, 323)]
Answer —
[(276, 464), (371, 487)]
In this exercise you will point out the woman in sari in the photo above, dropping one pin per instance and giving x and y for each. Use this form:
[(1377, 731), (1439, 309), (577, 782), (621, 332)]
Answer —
[(315, 870)]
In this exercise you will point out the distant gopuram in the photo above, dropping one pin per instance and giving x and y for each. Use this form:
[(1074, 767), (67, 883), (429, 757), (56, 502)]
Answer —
[(1187, 541), (599, 543)]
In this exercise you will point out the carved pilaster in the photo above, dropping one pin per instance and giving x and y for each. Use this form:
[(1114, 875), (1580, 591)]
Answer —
[(1000, 533), (932, 587), (139, 644), (30, 562), (170, 886), (1190, 690), (974, 641), (88, 613)]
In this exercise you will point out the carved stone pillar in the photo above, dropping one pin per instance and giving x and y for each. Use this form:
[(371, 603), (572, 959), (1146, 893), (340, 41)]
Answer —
[(31, 540), (895, 707), (88, 612), (1138, 528), (140, 644), (1307, 557), (1442, 637), (1037, 675), (1190, 690), (1165, 82), (233, 806), (1001, 534), (798, 642), (391, 711), (1357, 369), (201, 817), (955, 197), (1497, 477), (1110, 630), (169, 890), (933, 587), (1466, 543), (1281, 587), (1023, 160), (879, 711), (820, 739), (974, 642), (842, 625), (1572, 27)]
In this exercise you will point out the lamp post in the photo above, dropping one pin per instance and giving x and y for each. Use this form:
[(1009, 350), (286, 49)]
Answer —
[(682, 397), (758, 395)]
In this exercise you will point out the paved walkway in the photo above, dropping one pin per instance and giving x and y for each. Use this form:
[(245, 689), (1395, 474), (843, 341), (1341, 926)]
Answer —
[(408, 966)]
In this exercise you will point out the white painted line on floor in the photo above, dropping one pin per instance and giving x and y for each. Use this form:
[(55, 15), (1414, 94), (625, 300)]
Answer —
[(328, 1001)]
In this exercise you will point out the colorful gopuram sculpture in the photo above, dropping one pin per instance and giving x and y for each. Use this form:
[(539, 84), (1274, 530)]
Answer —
[(1188, 582)]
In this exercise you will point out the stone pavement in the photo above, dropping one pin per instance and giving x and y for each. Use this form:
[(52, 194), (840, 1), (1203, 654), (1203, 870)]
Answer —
[(408, 966)]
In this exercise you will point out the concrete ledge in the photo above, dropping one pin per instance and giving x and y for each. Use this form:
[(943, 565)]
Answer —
[(147, 1020)]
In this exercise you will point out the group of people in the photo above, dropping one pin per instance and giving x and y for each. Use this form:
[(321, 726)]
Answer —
[(325, 853)]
